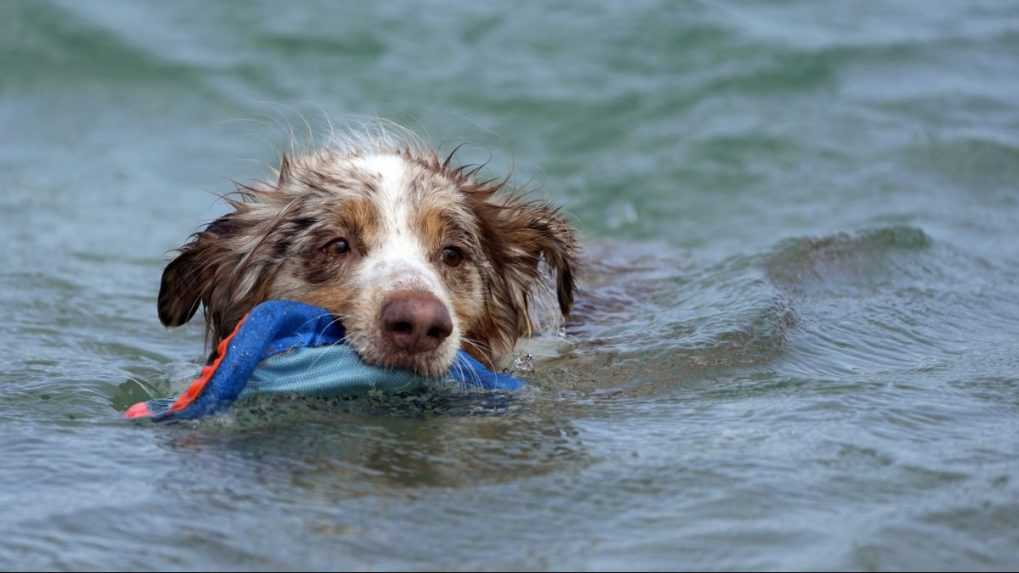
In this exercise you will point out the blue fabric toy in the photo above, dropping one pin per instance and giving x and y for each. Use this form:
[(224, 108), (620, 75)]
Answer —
[(286, 347)]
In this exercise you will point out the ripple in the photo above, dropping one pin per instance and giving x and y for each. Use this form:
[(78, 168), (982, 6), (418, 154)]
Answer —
[(647, 317)]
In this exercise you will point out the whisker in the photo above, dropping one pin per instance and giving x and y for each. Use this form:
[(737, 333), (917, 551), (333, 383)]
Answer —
[(336, 320), (460, 380), (484, 349)]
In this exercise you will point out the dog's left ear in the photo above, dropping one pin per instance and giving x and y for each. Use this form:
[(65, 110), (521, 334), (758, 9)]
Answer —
[(542, 231), (518, 235)]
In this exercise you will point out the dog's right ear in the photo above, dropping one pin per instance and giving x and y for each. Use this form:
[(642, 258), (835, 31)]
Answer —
[(181, 291), (189, 278), (220, 270)]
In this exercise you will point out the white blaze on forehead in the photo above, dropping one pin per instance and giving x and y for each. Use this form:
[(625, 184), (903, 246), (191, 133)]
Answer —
[(398, 259)]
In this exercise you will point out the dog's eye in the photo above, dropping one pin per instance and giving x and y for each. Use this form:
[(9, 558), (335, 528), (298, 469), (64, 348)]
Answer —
[(338, 247), (452, 256)]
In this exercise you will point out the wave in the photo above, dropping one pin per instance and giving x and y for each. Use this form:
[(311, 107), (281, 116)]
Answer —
[(830, 307), (41, 43), (859, 258)]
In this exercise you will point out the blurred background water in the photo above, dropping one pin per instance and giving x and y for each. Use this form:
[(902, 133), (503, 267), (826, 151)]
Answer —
[(797, 345)]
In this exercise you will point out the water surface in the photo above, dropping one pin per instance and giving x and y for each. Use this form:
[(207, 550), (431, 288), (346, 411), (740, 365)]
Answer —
[(797, 345)]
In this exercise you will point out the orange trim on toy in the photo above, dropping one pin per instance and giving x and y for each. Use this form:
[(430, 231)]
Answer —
[(195, 390), (139, 410)]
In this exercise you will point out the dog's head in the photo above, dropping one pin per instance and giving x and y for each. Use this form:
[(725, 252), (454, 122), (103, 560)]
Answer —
[(416, 257)]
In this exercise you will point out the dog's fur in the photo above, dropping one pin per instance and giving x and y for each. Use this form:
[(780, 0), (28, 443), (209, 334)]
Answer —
[(399, 207)]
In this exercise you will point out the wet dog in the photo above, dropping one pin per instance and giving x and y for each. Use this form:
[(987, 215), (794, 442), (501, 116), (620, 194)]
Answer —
[(415, 255)]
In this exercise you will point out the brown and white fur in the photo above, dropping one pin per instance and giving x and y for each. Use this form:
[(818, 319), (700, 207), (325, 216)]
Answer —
[(416, 256)]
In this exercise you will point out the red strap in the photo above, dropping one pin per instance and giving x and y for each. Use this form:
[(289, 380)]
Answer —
[(195, 390)]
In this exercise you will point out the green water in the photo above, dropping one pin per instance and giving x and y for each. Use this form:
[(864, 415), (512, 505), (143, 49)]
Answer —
[(797, 345)]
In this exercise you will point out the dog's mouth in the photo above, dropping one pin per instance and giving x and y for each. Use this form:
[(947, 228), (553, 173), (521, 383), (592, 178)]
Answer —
[(434, 364), (431, 366)]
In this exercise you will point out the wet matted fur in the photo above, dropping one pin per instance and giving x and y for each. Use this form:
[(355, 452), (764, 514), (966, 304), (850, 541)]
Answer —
[(349, 224)]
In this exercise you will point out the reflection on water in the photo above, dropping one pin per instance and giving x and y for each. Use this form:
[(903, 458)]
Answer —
[(387, 443)]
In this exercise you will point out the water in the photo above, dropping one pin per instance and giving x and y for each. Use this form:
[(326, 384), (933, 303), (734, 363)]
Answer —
[(797, 346)]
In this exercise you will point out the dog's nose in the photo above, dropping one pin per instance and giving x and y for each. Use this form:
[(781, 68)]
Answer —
[(415, 322)]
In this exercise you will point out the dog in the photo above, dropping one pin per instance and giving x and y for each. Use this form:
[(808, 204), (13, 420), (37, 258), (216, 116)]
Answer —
[(414, 254)]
